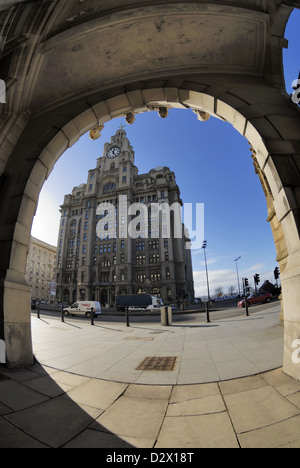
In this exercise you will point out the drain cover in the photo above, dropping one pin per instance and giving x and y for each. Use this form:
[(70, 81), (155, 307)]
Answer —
[(165, 364)]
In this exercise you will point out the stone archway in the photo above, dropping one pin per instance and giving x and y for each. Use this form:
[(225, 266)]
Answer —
[(243, 89)]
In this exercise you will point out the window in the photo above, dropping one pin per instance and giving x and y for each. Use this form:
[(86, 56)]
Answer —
[(155, 275), (154, 258), (86, 226), (104, 277), (154, 245), (141, 259), (110, 187), (140, 246), (141, 276), (84, 249), (168, 276)]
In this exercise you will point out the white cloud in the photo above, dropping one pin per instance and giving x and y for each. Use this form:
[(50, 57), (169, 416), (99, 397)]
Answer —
[(223, 278), (257, 268)]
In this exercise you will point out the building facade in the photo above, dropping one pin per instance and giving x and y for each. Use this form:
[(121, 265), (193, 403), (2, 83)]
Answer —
[(111, 242), (40, 269)]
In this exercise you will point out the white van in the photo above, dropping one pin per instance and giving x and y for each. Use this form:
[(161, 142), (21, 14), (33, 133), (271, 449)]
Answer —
[(83, 308)]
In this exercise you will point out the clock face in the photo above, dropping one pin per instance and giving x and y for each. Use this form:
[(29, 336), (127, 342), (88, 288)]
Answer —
[(113, 152)]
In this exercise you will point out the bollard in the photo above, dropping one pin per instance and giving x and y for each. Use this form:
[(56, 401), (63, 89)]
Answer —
[(246, 307), (38, 309), (166, 316), (127, 317), (62, 313), (207, 313), (92, 316)]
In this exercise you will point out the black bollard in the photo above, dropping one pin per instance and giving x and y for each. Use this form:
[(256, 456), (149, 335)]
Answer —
[(127, 317), (207, 313), (92, 316), (62, 313)]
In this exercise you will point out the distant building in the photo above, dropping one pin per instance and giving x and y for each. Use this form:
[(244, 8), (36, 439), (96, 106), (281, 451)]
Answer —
[(40, 268), (100, 266)]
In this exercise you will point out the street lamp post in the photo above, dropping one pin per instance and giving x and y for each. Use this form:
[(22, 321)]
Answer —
[(237, 274), (208, 293)]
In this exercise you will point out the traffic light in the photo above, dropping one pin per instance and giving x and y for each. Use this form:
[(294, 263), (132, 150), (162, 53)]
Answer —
[(246, 282), (257, 279), (276, 273)]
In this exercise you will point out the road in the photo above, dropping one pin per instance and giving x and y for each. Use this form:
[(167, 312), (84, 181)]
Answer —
[(197, 317)]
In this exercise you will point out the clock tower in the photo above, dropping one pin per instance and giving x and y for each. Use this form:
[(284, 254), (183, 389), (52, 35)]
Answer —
[(117, 154)]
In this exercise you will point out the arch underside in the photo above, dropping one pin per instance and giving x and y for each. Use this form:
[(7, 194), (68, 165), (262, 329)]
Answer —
[(72, 67)]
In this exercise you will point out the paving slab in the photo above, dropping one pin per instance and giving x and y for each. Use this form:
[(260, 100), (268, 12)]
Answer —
[(205, 431), (261, 407), (134, 417), (53, 423)]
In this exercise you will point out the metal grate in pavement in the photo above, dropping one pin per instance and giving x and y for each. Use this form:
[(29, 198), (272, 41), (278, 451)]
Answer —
[(165, 364)]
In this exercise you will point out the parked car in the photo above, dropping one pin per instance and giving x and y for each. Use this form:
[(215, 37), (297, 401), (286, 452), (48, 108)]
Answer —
[(83, 309), (256, 298)]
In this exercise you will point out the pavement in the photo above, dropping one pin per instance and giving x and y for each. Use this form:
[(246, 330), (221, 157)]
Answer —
[(87, 389)]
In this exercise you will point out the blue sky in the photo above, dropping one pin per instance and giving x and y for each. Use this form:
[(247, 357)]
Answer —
[(213, 165)]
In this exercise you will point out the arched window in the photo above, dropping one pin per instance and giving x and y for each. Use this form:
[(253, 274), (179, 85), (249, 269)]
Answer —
[(110, 187)]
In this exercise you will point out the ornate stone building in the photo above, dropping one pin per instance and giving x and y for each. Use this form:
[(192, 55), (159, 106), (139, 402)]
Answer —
[(40, 268), (97, 259)]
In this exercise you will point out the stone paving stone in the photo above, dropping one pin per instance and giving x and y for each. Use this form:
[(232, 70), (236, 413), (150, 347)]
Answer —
[(149, 391), (96, 439), (285, 433), (190, 392), (47, 386), (18, 397), (53, 423), (197, 406), (97, 393), (206, 431), (134, 417), (242, 385), (12, 437), (254, 409)]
